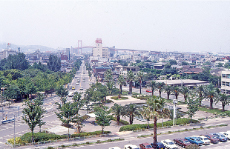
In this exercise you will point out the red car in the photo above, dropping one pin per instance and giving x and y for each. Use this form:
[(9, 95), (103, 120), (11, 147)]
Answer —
[(182, 142), (145, 146), (212, 138), (148, 91)]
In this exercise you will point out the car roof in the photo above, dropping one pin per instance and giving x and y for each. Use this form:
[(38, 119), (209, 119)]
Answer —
[(167, 140)]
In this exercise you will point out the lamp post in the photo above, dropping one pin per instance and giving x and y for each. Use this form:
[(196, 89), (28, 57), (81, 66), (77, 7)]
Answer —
[(174, 110)]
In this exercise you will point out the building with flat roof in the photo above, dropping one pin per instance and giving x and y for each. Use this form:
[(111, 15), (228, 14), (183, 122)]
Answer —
[(225, 82), (100, 51)]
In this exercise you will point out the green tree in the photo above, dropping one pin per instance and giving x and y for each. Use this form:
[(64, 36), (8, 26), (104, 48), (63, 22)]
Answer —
[(146, 113), (130, 111), (168, 90), (184, 63), (139, 78), (176, 91), (54, 63), (76, 97), (121, 81), (152, 84), (130, 78), (102, 117), (32, 114), (12, 92), (192, 106), (17, 61), (156, 104), (220, 65), (109, 81), (117, 111), (160, 87), (172, 62), (185, 91), (200, 91), (224, 99), (210, 93), (62, 92)]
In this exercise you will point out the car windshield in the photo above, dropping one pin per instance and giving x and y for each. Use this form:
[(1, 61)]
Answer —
[(148, 146), (170, 143), (186, 141), (206, 139), (214, 137), (198, 139), (222, 135)]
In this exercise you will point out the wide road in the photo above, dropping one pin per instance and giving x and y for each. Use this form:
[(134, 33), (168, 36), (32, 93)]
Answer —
[(7, 130)]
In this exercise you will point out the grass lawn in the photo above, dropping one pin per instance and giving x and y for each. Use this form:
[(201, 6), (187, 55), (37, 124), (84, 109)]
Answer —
[(116, 98), (214, 111)]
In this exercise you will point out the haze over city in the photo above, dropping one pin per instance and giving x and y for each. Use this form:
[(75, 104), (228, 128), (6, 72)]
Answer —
[(199, 26)]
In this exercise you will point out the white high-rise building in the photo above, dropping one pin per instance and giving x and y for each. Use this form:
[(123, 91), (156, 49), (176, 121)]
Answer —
[(100, 51)]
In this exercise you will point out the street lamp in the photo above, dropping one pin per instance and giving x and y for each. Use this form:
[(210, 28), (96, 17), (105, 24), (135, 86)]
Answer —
[(174, 110)]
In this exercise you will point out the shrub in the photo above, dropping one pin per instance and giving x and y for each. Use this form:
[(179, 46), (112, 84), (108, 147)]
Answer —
[(179, 121), (89, 133), (17, 140)]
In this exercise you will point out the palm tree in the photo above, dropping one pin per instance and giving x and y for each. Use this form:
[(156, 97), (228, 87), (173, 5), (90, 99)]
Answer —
[(157, 106), (139, 78), (131, 110), (176, 91), (200, 91), (210, 92), (224, 99), (130, 78), (160, 87), (153, 86), (121, 81), (168, 90), (146, 113), (117, 111), (184, 90)]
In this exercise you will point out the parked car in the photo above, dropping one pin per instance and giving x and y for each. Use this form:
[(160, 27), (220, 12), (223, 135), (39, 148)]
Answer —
[(220, 136), (226, 134), (70, 94), (145, 146), (182, 142), (169, 144), (212, 138), (77, 83), (81, 88), (159, 145), (205, 140), (194, 140), (148, 91), (131, 146)]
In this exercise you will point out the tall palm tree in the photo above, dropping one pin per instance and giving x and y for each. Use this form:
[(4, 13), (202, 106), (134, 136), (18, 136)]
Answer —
[(153, 86), (130, 78), (160, 87), (146, 113), (224, 99), (176, 91), (130, 111), (121, 81), (184, 90), (200, 91), (139, 78), (157, 106), (117, 111), (210, 92), (168, 90)]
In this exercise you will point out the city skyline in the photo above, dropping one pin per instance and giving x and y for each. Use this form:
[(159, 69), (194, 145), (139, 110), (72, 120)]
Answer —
[(184, 26)]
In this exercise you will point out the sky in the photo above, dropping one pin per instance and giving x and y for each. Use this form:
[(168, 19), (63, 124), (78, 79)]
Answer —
[(185, 26)]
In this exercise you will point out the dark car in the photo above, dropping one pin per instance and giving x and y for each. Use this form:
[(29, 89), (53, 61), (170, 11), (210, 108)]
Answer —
[(194, 140), (220, 136), (182, 142), (159, 145), (145, 146), (212, 138)]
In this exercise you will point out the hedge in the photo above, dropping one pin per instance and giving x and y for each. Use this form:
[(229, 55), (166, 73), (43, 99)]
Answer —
[(42, 136), (180, 121)]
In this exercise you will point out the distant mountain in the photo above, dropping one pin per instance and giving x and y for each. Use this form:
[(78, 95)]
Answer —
[(27, 48)]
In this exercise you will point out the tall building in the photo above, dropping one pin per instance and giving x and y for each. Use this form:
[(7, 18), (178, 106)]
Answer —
[(100, 51), (225, 82)]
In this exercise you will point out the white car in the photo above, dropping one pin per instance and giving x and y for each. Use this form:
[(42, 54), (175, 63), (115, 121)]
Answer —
[(205, 140), (70, 94), (169, 144), (131, 146), (77, 83), (226, 134)]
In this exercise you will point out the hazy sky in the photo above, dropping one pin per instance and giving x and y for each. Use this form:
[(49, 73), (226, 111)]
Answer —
[(142, 25)]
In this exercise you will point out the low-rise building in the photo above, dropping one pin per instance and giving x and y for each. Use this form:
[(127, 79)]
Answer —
[(225, 82)]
